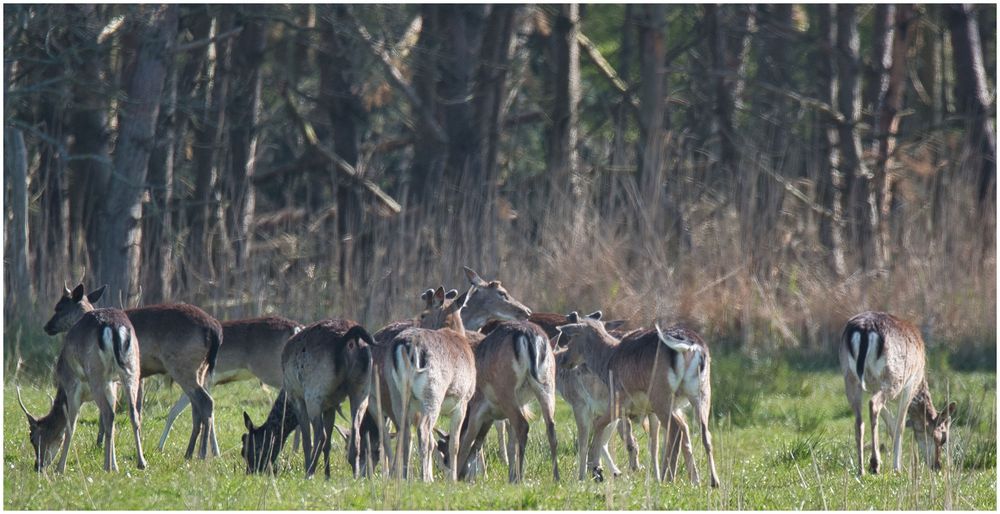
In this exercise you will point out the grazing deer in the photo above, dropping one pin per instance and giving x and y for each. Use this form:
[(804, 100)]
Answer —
[(101, 349), (884, 354), (252, 350), (650, 369), (514, 363), (430, 372), (262, 444), (323, 364), (180, 340)]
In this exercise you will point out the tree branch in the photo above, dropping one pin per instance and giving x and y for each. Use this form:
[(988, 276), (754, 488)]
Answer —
[(194, 45), (397, 78), (343, 166)]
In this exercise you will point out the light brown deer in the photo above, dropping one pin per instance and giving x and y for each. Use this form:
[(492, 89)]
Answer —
[(650, 370), (180, 340), (489, 300), (252, 350), (100, 351), (323, 364), (884, 354), (430, 372), (514, 364)]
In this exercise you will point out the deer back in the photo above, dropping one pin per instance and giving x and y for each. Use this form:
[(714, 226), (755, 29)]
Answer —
[(255, 345), (179, 336)]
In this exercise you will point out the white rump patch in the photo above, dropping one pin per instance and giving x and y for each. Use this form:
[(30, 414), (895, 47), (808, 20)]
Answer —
[(296, 330), (107, 337), (123, 334)]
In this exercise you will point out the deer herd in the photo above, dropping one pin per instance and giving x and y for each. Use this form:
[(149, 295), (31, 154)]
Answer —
[(478, 358)]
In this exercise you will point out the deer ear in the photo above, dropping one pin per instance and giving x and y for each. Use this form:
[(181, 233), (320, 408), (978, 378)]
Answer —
[(474, 277), (949, 411), (460, 301), (595, 315), (428, 294), (451, 294), (439, 295), (66, 291), (573, 317), (96, 294), (77, 293), (247, 422)]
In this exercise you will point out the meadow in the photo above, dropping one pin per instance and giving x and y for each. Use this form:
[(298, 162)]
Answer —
[(783, 438)]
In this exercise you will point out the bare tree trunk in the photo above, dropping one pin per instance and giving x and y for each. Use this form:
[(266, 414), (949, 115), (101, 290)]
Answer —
[(208, 138), (157, 225), (562, 133), (491, 84), (244, 118), (146, 49), (973, 98), (890, 103), (338, 72), (428, 153), (19, 293), (860, 189), (832, 190), (652, 87)]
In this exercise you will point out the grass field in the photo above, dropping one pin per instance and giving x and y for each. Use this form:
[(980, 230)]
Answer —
[(783, 440)]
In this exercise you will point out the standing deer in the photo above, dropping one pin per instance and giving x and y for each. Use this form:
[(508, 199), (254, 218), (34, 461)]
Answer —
[(323, 364), (514, 363), (885, 354), (180, 340), (101, 350), (252, 350), (430, 372), (650, 369)]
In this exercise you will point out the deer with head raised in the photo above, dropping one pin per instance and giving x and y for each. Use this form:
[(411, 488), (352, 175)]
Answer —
[(650, 371), (180, 340), (883, 354), (430, 372), (101, 350), (252, 350)]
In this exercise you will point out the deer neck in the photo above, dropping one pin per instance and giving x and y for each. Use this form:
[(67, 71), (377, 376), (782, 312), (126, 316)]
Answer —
[(281, 420), (56, 418), (597, 352), (920, 409)]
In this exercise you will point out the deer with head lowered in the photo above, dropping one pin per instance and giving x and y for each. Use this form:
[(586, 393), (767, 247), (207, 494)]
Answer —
[(885, 355), (101, 350), (252, 350), (648, 371), (180, 340), (430, 372)]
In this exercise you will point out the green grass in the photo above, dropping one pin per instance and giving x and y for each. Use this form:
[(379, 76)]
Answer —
[(788, 448)]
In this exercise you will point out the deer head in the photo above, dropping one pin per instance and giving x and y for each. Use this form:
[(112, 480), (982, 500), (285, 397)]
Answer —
[(70, 307), (489, 300)]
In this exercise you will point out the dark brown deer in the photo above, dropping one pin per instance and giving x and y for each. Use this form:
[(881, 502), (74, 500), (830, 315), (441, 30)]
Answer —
[(884, 354), (100, 351), (180, 340)]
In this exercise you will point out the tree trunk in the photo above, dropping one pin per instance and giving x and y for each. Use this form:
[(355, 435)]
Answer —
[(428, 153), (565, 68), (244, 120), (491, 85), (338, 73), (652, 87), (832, 188), (859, 188), (20, 296), (208, 142), (145, 51), (973, 99), (157, 225)]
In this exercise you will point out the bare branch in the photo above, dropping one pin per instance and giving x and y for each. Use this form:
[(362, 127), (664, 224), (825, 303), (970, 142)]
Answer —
[(194, 45)]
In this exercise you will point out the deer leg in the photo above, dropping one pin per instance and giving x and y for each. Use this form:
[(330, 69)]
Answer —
[(701, 406), (515, 451), (425, 436), (672, 442), (454, 441), (582, 443), (875, 406), (546, 395), (175, 411), (604, 428), (327, 421), (72, 412), (631, 446), (502, 439), (131, 397), (853, 390), (900, 426), (105, 399), (654, 441), (472, 438)]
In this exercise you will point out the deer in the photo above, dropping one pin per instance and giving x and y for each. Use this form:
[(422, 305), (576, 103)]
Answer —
[(180, 340), (884, 355), (322, 365), (513, 364), (430, 372), (261, 445), (648, 371), (252, 350), (100, 351)]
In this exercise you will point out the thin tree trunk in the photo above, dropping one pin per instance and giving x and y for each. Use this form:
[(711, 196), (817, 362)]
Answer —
[(19, 293), (651, 22), (833, 188), (565, 67), (146, 50), (860, 189), (156, 218)]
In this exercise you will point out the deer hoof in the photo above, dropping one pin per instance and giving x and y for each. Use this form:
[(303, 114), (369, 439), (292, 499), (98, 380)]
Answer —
[(598, 474)]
